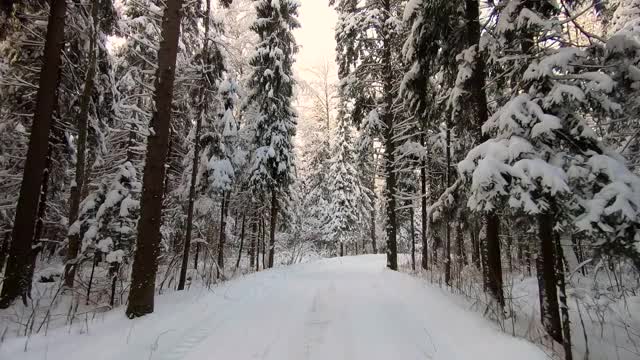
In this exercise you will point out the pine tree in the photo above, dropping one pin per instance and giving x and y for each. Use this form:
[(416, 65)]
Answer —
[(367, 37), (271, 84), (349, 205), (543, 158), (17, 280), (145, 264)]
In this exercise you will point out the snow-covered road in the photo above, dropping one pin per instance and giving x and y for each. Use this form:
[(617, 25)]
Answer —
[(346, 308)]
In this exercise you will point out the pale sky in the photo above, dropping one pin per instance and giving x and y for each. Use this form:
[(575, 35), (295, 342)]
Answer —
[(315, 36), (317, 46)]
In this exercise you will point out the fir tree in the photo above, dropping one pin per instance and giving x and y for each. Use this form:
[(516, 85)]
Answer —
[(272, 84)]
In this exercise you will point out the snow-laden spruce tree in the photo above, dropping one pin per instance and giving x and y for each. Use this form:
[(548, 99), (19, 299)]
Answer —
[(108, 219), (543, 158), (346, 213), (271, 86), (368, 37)]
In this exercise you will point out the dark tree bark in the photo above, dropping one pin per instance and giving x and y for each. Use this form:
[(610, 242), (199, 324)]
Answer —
[(114, 269), (195, 257), (272, 228), (244, 216), (461, 253), (96, 257), (564, 305), (264, 243), (145, 262), (196, 154), (423, 209), (475, 243), (372, 214), (374, 246), (478, 103), (222, 239), (447, 217), (413, 239), (389, 149), (493, 265), (4, 248), (547, 280), (82, 122), (252, 246), (17, 278)]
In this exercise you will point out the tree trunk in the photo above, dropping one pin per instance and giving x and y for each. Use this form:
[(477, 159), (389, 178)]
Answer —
[(114, 268), (447, 217), (272, 229), (196, 153), (423, 209), (389, 146), (42, 213), (547, 281), (4, 249), (96, 257), (17, 280), (264, 242), (413, 240), (244, 216), (493, 265), (561, 267), (475, 243), (461, 254), (83, 119), (374, 246), (145, 262), (252, 246), (509, 249), (222, 239)]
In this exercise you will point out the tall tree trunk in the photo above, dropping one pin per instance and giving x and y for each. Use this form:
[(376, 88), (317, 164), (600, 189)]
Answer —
[(493, 265), (475, 243), (42, 213), (4, 249), (372, 187), (223, 232), (252, 246), (272, 228), (478, 103), (196, 151), (17, 280), (82, 122), (374, 246), (413, 239), (145, 262), (114, 269), (244, 216), (547, 280), (264, 243), (561, 267), (96, 258), (461, 253), (447, 216), (389, 147), (423, 209)]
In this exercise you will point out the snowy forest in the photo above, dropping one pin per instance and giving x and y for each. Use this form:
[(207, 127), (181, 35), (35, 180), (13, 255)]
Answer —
[(489, 149)]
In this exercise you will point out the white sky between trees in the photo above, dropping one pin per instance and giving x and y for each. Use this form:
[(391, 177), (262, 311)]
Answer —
[(317, 45)]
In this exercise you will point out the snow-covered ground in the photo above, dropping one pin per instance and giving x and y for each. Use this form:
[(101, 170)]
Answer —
[(341, 308)]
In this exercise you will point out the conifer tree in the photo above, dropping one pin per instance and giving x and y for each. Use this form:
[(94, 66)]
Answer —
[(272, 85), (17, 281), (349, 205)]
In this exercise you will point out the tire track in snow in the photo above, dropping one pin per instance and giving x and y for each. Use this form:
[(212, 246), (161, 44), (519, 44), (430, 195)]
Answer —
[(203, 329), (317, 322)]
